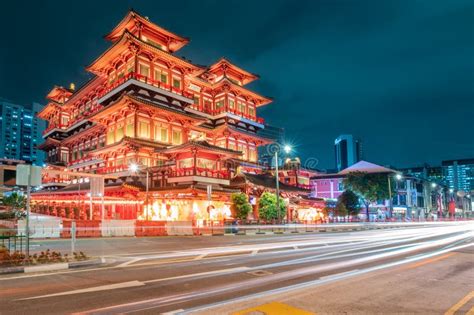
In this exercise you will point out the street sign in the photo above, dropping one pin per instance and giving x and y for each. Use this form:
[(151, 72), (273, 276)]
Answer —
[(23, 172), (97, 186)]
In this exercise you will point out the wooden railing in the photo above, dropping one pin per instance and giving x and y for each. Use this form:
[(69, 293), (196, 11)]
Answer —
[(198, 171)]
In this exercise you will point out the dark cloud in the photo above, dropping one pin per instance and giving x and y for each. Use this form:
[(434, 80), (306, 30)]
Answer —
[(399, 74)]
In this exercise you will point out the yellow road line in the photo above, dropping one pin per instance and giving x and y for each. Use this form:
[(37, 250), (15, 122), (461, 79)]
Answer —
[(428, 261), (471, 312), (459, 304), (274, 308)]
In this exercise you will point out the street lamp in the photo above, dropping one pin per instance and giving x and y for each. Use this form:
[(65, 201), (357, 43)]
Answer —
[(134, 168), (287, 149), (397, 176), (433, 185)]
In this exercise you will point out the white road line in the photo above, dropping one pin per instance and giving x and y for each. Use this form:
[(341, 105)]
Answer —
[(338, 275), (222, 271), (136, 283), (173, 312), (107, 287)]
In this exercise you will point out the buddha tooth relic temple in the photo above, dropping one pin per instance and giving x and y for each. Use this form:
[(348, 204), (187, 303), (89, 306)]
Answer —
[(165, 135)]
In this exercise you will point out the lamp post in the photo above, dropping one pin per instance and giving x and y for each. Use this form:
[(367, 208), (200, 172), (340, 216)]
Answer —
[(135, 169), (287, 149), (390, 201)]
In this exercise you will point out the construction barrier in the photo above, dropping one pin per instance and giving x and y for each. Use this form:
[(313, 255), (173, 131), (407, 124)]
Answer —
[(179, 228), (84, 228), (41, 228), (118, 228), (150, 228)]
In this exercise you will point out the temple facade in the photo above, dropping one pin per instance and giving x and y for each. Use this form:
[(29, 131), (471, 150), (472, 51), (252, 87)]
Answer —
[(187, 130)]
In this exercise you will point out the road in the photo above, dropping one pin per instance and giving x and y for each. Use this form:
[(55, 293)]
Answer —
[(418, 269)]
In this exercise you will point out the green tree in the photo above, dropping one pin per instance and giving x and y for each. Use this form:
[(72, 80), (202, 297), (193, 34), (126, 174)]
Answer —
[(350, 201), (341, 209), (267, 208), (17, 204), (369, 186), (241, 205)]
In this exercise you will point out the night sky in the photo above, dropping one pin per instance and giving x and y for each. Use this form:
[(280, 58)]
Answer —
[(398, 74)]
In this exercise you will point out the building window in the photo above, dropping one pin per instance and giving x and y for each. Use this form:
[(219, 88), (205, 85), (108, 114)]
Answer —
[(219, 104), (119, 134), (64, 156), (161, 75), (241, 107), (205, 163), (110, 137), (144, 129), (144, 70), (129, 131), (176, 83), (177, 137), (231, 104), (186, 163), (196, 100), (161, 133), (252, 111)]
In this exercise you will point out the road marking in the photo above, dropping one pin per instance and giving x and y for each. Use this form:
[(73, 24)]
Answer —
[(199, 257), (428, 261), (471, 311), (255, 252), (173, 312), (338, 275), (274, 308), (222, 271), (107, 287), (459, 304)]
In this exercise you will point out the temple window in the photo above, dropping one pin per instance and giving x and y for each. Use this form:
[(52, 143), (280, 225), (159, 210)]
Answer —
[(177, 137), (64, 121), (144, 70), (64, 156), (219, 104), (119, 162), (241, 107), (110, 136), (207, 164), (252, 154), (242, 148), (252, 111), (231, 104), (119, 133), (130, 66), (130, 128), (231, 145), (196, 100), (143, 161), (176, 83), (161, 133), (144, 129), (161, 75), (186, 163)]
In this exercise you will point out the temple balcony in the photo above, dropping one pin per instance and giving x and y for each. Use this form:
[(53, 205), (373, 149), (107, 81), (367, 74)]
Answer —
[(141, 81), (170, 176)]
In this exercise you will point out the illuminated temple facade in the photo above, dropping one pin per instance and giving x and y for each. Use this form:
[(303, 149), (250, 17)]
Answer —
[(188, 126)]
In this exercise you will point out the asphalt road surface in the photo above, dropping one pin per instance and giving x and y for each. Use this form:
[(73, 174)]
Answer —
[(417, 269)]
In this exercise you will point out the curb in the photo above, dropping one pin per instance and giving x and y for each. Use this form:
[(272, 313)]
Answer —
[(52, 267)]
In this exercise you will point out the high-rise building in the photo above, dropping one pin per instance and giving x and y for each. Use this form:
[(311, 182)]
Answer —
[(459, 174), (427, 172), (348, 151), (21, 131)]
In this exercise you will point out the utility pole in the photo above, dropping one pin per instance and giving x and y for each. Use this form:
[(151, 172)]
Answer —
[(277, 187)]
